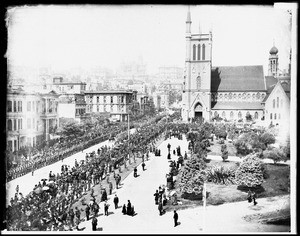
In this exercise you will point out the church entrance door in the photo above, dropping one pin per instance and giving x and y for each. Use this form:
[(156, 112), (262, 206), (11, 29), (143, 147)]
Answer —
[(198, 111)]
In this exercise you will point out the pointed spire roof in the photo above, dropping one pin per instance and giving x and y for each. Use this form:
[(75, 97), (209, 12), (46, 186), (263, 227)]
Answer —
[(188, 18)]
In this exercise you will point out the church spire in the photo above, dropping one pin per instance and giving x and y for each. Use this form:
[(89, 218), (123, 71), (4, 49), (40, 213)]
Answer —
[(188, 22)]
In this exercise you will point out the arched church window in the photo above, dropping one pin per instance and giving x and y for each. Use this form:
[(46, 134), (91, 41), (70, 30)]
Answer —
[(253, 96), (234, 96), (198, 56), (275, 116), (262, 96), (256, 115), (273, 103), (198, 83), (230, 96), (194, 52), (221, 96), (258, 96), (231, 115), (248, 95), (277, 102), (225, 95), (244, 96), (203, 52), (223, 114), (240, 115), (240, 96)]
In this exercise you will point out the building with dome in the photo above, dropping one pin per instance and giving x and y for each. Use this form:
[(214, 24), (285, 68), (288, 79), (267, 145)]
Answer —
[(232, 93)]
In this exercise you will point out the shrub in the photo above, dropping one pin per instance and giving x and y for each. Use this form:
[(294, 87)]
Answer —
[(192, 177), (250, 172), (220, 174)]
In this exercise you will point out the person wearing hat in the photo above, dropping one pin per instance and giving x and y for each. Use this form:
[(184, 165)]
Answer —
[(94, 223), (106, 206), (116, 201), (175, 217)]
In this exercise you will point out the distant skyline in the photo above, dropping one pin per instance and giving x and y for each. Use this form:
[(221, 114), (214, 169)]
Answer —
[(86, 36)]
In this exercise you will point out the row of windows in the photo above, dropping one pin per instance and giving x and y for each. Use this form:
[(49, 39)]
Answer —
[(120, 99), (275, 116), (17, 124), (198, 50), (274, 102), (231, 115), (14, 106), (229, 96)]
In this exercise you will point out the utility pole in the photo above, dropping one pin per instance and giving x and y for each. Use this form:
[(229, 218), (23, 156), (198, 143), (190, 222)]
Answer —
[(204, 204)]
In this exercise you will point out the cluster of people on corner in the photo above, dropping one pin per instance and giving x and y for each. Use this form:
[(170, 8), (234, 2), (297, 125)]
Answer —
[(129, 209)]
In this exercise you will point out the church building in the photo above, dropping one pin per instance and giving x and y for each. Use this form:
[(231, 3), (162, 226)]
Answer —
[(230, 92)]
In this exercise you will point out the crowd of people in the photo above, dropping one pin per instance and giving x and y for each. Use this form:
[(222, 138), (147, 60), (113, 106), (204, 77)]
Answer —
[(49, 205), (63, 149)]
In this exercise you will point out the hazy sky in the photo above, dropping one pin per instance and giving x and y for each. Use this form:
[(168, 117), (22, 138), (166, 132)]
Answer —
[(87, 36)]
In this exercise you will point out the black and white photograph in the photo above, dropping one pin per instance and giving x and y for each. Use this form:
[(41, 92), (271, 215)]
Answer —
[(150, 119)]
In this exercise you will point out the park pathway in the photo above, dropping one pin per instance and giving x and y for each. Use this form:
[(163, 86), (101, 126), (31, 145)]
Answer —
[(218, 219)]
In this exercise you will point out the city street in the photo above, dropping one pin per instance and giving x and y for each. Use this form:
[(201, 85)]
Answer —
[(27, 182)]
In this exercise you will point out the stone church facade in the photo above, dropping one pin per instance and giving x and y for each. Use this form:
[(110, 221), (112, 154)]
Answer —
[(229, 92)]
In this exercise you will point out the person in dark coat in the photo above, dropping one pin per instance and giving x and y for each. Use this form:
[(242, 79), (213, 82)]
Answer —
[(72, 216), (116, 201), (160, 208), (156, 194), (135, 172), (129, 208), (104, 195), (169, 146), (124, 210), (110, 187), (175, 217), (106, 206), (143, 165), (87, 212), (94, 223)]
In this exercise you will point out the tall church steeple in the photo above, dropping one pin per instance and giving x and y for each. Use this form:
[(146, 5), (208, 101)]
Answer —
[(273, 61)]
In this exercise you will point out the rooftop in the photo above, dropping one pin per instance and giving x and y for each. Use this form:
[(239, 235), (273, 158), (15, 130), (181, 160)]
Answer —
[(237, 78)]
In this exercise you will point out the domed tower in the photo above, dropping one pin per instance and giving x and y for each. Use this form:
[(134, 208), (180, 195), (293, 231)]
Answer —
[(273, 62)]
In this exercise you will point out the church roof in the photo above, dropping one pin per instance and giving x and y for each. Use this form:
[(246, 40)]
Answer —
[(236, 105), (270, 82), (237, 78)]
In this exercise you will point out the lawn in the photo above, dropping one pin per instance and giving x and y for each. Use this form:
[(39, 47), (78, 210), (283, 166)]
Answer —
[(215, 149), (276, 184)]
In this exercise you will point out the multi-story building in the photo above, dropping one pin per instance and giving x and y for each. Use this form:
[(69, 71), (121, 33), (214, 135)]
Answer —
[(117, 103), (31, 117)]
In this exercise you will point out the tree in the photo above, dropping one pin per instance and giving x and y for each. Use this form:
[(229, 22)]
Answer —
[(72, 129), (275, 154), (250, 172), (224, 152), (221, 132), (247, 143), (267, 138)]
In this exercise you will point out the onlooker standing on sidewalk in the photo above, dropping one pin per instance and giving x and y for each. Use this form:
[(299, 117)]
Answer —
[(87, 212), (175, 217), (106, 206), (116, 201), (94, 223), (143, 165)]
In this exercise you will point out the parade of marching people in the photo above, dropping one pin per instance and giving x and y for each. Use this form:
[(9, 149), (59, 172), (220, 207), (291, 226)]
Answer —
[(50, 204)]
